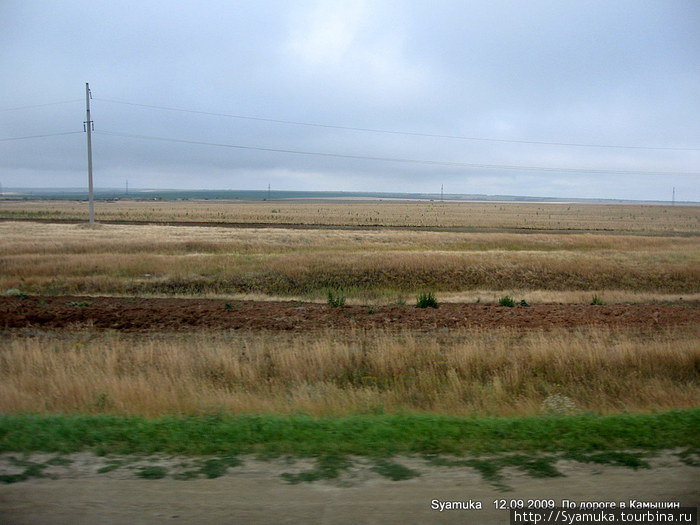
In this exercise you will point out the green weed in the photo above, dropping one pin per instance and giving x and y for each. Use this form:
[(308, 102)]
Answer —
[(506, 300), (327, 467), (427, 300), (335, 299), (110, 466), (690, 457), (622, 459), (31, 470), (59, 461), (152, 472), (217, 467), (393, 471)]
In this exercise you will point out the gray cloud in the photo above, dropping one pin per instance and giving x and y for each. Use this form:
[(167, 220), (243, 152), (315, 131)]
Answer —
[(623, 72)]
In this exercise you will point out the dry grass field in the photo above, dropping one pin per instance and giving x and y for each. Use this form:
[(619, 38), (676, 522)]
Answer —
[(371, 266), (475, 372), (646, 253), (421, 214)]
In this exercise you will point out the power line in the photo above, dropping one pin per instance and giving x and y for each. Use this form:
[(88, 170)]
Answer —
[(41, 136), (394, 159), (42, 105), (394, 132)]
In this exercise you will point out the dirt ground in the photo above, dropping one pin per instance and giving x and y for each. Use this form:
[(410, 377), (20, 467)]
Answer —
[(254, 493), (133, 314)]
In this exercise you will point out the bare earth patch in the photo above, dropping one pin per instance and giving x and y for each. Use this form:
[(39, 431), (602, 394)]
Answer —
[(154, 314)]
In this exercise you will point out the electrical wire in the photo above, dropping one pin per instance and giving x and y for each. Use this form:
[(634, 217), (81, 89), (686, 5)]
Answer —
[(41, 136), (394, 132), (394, 159), (42, 105)]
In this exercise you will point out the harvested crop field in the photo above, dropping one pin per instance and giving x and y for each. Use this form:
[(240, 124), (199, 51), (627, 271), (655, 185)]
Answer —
[(179, 314), (561, 216)]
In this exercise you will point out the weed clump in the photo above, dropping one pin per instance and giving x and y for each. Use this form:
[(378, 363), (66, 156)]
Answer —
[(506, 300), (327, 467), (393, 471), (217, 467), (152, 472), (400, 301), (690, 457), (32, 470), (335, 299), (597, 301), (631, 460), (427, 300)]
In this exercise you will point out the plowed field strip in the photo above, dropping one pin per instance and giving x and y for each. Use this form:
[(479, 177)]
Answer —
[(156, 314), (357, 227)]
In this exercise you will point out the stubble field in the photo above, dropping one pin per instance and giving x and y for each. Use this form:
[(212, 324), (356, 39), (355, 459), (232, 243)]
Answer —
[(407, 214)]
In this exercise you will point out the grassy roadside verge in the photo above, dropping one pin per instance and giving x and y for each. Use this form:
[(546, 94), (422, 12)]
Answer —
[(357, 435)]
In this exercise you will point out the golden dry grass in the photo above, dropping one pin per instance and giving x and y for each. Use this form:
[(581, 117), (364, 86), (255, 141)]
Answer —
[(547, 216), (60, 258), (333, 373), (469, 372)]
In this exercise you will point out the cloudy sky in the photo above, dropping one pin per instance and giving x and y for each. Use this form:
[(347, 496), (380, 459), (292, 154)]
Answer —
[(526, 78)]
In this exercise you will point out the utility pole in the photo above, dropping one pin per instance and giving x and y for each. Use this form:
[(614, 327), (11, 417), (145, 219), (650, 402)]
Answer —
[(442, 194), (268, 191), (89, 126), (673, 198), (127, 186)]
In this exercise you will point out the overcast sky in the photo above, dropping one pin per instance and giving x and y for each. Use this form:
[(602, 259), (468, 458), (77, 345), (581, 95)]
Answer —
[(613, 73)]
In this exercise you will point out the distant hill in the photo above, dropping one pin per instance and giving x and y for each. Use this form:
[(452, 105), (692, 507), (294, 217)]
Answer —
[(262, 195)]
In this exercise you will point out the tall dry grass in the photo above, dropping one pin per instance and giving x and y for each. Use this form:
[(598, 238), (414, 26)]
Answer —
[(65, 239), (181, 260), (468, 372)]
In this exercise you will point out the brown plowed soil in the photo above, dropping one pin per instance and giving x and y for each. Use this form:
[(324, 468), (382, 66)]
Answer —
[(134, 314)]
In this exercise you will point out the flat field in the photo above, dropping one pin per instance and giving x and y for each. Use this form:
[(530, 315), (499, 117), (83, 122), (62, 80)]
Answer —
[(377, 214), (370, 266), (230, 314)]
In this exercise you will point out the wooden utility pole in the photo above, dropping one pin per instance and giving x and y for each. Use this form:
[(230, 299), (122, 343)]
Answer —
[(88, 126)]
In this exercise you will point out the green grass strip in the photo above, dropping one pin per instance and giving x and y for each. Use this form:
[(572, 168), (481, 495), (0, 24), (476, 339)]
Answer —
[(360, 435)]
